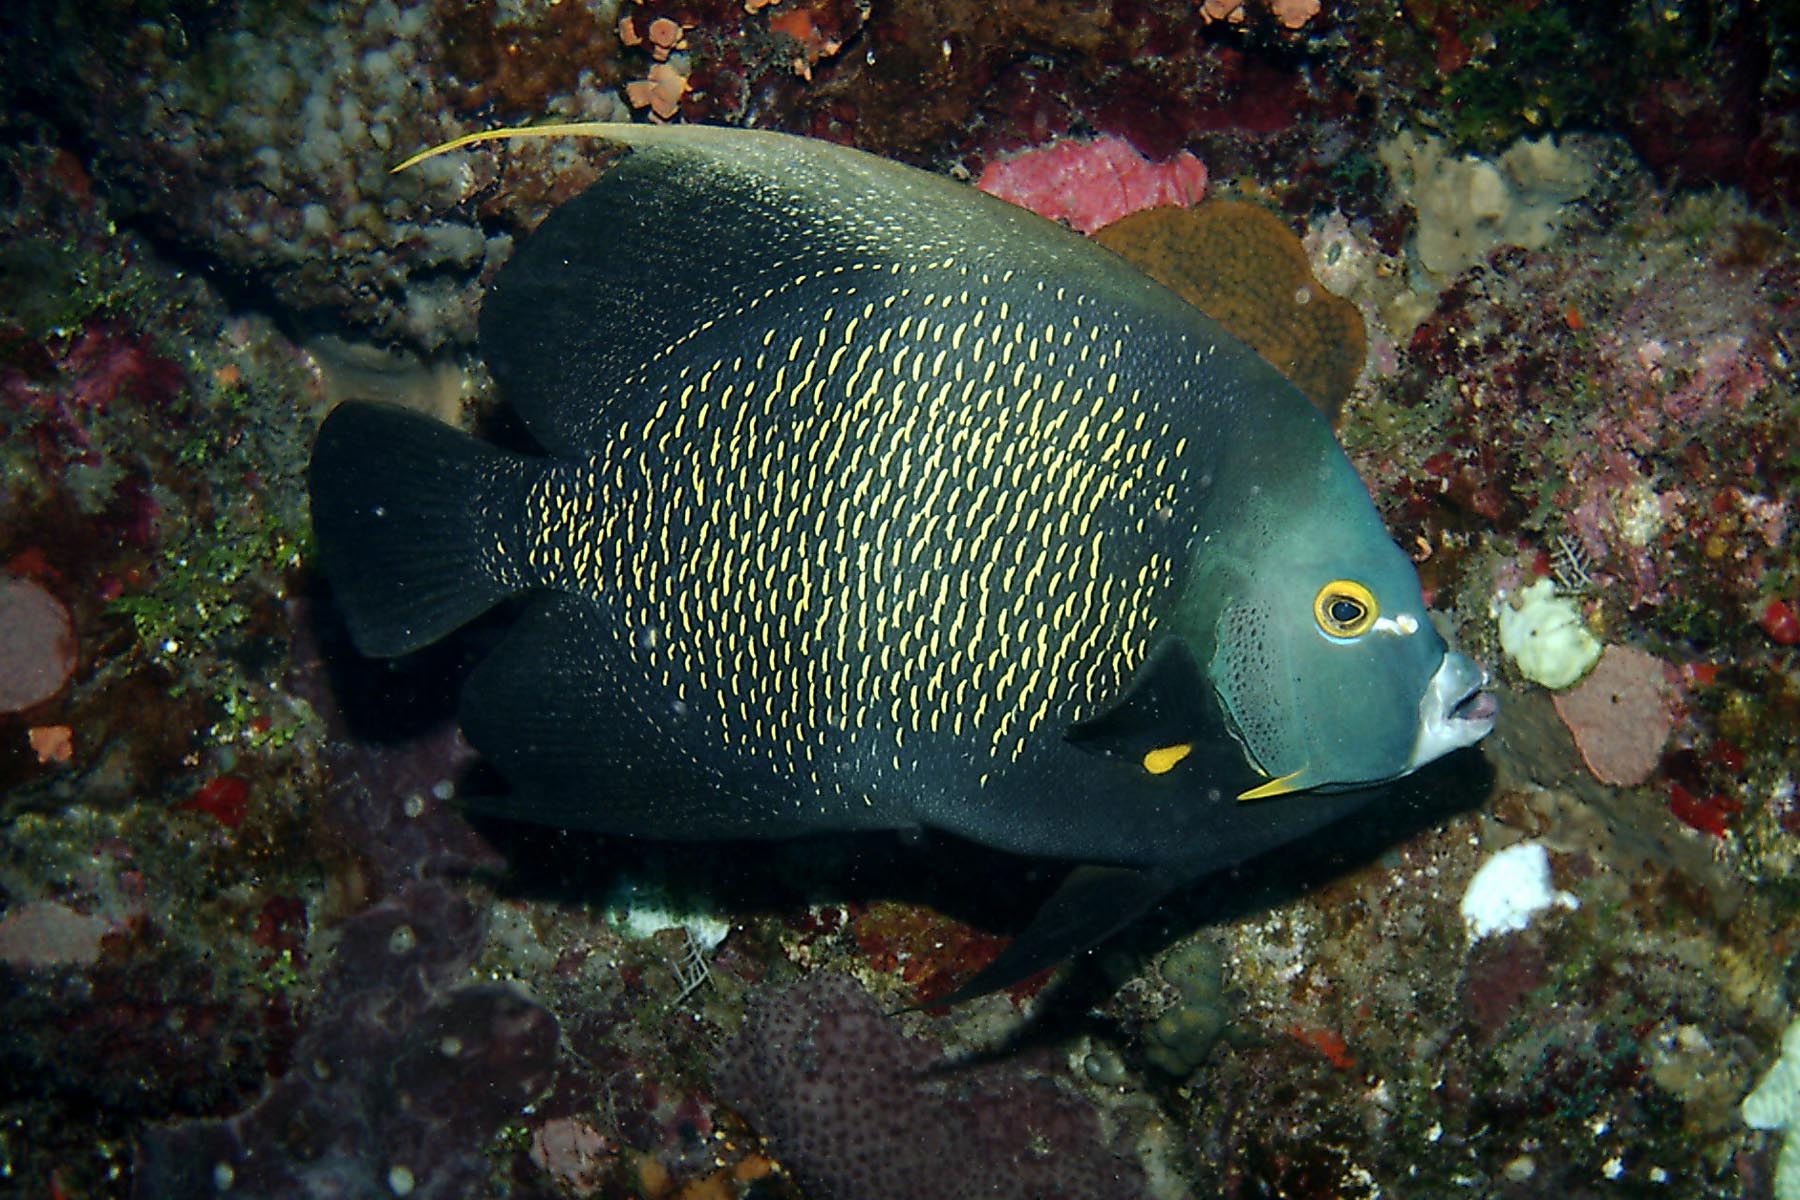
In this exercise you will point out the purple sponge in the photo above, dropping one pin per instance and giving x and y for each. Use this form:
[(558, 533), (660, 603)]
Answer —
[(859, 1111)]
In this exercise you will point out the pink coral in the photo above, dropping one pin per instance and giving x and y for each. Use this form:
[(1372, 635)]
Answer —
[(1620, 715), (572, 1152), (1289, 14), (1091, 184), (661, 92), (1292, 14)]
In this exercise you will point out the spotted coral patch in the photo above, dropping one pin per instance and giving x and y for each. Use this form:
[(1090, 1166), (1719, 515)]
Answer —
[(1242, 266)]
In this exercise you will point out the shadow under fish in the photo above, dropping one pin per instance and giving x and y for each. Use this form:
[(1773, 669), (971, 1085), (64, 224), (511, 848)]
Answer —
[(870, 502)]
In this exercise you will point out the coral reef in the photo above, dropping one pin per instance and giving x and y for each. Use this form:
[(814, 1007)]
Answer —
[(267, 138), (401, 1080), (1241, 265), (44, 933), (1544, 635), (1620, 715), (855, 1108), (233, 852), (1510, 889), (1181, 1038), (1466, 206), (37, 644), (1774, 1105)]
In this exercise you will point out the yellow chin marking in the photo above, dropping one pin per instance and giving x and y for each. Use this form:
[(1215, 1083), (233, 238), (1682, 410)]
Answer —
[(1275, 787), (559, 129), (1163, 759)]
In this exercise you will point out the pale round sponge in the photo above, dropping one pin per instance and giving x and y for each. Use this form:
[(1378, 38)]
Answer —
[(1544, 635), (37, 644)]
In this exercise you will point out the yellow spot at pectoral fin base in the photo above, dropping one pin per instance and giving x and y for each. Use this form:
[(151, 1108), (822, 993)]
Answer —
[(1163, 759), (1275, 787)]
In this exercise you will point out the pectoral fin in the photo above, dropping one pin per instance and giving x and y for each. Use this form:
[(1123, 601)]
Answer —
[(1167, 723), (1092, 904)]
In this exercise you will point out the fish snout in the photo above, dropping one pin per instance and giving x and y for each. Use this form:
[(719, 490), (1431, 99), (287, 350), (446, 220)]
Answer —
[(1455, 711)]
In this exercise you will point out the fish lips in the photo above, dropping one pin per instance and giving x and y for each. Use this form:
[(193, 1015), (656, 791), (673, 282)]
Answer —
[(1454, 711)]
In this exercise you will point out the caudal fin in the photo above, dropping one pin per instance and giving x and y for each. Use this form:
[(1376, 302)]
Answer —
[(410, 517)]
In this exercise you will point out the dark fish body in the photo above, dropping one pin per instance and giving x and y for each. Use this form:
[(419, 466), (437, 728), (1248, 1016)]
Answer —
[(872, 502)]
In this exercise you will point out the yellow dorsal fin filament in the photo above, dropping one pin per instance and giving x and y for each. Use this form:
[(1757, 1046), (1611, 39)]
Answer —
[(1275, 787), (1163, 759), (512, 133)]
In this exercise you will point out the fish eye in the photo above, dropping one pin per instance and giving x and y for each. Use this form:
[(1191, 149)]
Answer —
[(1345, 609)]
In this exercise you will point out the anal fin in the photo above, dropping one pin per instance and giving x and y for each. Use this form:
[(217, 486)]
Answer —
[(547, 710)]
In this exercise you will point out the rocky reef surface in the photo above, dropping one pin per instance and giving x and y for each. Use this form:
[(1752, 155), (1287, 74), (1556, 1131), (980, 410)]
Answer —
[(252, 944)]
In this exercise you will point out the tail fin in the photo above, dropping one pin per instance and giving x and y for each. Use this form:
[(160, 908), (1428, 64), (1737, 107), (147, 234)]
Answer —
[(410, 515)]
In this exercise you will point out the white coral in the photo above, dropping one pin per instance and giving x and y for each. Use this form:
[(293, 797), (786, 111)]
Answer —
[(1775, 1104), (1466, 205)]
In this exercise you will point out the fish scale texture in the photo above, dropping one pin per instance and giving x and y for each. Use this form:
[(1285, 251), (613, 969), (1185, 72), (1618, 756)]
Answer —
[(857, 1110)]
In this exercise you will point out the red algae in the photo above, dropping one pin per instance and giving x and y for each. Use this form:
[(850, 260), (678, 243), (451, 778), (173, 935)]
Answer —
[(1780, 622), (224, 798)]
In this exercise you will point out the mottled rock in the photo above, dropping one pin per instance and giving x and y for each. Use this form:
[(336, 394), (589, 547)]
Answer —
[(37, 644)]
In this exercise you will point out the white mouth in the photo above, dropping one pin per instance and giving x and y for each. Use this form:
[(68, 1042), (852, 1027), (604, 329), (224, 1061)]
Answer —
[(1454, 712)]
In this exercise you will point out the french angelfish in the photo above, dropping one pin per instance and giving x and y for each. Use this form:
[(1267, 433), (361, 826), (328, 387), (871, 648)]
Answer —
[(871, 502)]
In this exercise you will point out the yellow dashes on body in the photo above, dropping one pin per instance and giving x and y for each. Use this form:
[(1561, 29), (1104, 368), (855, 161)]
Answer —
[(865, 538)]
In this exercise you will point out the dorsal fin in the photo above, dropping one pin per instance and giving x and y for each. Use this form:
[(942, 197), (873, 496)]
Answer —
[(696, 226)]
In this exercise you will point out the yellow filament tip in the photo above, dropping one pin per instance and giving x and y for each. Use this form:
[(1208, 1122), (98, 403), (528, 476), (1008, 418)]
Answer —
[(511, 133), (1275, 787)]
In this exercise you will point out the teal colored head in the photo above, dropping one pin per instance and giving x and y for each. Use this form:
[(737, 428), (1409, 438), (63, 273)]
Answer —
[(1316, 639)]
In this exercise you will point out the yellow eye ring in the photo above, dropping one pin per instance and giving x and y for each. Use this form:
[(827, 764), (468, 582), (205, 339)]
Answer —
[(1345, 609)]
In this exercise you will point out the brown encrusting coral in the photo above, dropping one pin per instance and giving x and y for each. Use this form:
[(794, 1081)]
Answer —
[(1240, 264)]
